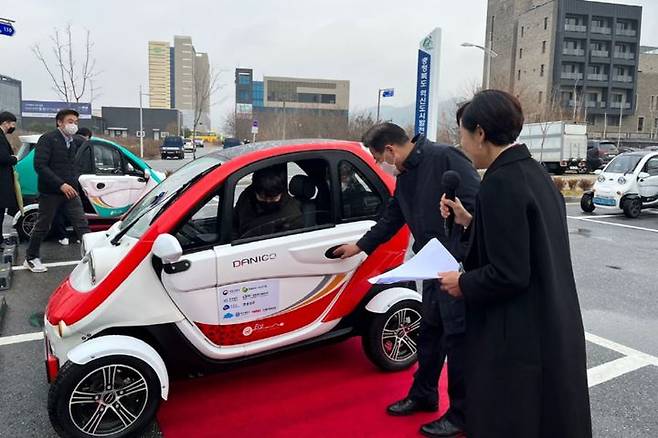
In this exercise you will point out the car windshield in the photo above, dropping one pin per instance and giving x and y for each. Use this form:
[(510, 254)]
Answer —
[(173, 141), (24, 150), (623, 164), (143, 212), (608, 148)]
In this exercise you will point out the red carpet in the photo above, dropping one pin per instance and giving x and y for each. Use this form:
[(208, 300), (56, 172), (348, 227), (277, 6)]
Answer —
[(331, 391)]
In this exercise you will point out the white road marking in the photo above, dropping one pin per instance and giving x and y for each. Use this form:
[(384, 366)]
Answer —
[(49, 265), (18, 339), (632, 227), (610, 370), (621, 349)]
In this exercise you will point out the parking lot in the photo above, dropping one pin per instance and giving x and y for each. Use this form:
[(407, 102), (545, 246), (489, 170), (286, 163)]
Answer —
[(614, 261)]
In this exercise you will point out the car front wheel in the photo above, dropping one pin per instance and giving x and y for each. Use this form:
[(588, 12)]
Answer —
[(632, 208), (390, 340), (115, 396), (587, 202)]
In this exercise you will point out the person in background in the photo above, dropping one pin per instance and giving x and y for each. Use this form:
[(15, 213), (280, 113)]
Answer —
[(8, 201), (421, 164), (525, 343), (54, 161), (58, 229)]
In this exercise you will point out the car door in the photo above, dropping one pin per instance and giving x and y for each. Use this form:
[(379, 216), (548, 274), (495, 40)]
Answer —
[(110, 189), (648, 187)]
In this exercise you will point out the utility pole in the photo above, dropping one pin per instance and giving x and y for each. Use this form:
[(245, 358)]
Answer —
[(379, 100), (489, 54), (284, 120), (141, 125)]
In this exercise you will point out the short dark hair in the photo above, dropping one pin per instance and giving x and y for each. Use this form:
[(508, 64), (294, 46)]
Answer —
[(66, 112), (498, 113), (269, 181), (460, 112), (383, 134), (6, 116), (85, 132)]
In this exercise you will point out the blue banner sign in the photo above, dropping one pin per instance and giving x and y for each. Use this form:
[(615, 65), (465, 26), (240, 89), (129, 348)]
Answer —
[(7, 29), (388, 92), (40, 108), (422, 91)]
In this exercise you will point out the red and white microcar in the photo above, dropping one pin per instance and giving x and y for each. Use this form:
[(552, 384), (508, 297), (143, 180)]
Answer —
[(173, 289)]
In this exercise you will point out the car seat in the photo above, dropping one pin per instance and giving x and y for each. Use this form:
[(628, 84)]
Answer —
[(303, 189)]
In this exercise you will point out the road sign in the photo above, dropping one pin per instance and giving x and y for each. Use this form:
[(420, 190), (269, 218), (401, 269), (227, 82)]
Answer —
[(254, 127), (388, 92), (140, 134), (7, 29)]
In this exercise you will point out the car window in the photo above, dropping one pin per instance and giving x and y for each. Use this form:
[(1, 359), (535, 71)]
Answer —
[(173, 141), (203, 228), (280, 199), (84, 160), (652, 166), (25, 149), (107, 160), (623, 164), (359, 200)]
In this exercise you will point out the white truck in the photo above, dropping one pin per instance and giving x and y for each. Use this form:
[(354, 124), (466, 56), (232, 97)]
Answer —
[(558, 145)]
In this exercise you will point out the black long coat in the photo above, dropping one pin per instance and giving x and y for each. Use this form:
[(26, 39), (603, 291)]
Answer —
[(7, 162), (526, 370)]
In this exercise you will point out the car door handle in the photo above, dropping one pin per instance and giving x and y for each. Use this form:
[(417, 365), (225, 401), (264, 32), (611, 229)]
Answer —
[(141, 179), (100, 186), (330, 252)]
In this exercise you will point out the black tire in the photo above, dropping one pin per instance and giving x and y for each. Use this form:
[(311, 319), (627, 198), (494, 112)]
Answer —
[(144, 401), (587, 202), (632, 208), (380, 349), (25, 224)]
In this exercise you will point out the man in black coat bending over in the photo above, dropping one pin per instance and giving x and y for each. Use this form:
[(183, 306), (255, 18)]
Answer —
[(416, 200)]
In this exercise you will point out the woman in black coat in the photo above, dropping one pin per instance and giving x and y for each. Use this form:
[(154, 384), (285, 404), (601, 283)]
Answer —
[(526, 368), (7, 161)]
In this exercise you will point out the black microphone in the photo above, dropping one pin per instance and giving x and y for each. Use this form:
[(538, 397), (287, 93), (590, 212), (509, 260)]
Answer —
[(450, 181)]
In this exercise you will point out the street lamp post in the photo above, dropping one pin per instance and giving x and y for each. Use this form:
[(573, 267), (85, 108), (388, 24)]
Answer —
[(141, 123), (489, 55)]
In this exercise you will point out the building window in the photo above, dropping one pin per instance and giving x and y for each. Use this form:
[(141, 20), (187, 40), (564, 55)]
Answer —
[(244, 80), (543, 47), (545, 23), (522, 31), (541, 97), (640, 124), (518, 76), (520, 53), (541, 71)]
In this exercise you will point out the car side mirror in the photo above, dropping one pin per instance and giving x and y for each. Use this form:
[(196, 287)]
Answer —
[(167, 248), (643, 175), (598, 172)]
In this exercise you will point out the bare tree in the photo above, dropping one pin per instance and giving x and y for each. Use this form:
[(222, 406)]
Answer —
[(206, 85), (71, 77)]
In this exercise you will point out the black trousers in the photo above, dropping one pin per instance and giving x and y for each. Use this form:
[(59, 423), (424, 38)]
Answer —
[(434, 345), (48, 206), (58, 227)]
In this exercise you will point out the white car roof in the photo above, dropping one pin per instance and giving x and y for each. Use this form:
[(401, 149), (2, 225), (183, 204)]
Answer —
[(29, 138)]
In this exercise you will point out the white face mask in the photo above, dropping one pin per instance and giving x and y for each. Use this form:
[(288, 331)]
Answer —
[(389, 168), (70, 129)]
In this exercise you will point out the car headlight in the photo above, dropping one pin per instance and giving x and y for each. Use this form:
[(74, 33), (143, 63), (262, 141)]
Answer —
[(601, 178), (621, 180)]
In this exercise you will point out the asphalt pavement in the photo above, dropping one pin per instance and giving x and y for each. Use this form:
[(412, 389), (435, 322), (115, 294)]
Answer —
[(614, 261)]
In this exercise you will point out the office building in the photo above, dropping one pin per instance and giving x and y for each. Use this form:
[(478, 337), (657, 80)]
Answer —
[(566, 58), (11, 96), (159, 75), (157, 122), (183, 69)]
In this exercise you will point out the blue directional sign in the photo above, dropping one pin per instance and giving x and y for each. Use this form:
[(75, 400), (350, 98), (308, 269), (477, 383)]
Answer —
[(422, 91), (388, 92), (7, 29)]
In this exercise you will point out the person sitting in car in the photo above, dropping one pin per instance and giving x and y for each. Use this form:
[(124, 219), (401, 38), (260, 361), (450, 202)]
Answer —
[(265, 207)]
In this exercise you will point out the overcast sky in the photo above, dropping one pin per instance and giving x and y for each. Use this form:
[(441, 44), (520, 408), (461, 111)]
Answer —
[(373, 44)]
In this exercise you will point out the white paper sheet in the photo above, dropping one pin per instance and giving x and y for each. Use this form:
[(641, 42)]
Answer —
[(426, 265)]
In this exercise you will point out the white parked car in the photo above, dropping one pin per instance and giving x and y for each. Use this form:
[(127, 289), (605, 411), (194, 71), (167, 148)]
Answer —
[(628, 183), (189, 146)]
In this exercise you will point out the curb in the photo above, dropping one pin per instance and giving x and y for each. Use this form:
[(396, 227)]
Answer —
[(570, 199)]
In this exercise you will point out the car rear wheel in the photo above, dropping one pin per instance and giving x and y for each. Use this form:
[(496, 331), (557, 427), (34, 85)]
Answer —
[(632, 208), (25, 224), (390, 339), (587, 202), (115, 396)]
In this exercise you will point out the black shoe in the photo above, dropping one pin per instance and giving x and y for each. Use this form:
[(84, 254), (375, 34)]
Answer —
[(408, 406), (441, 428)]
